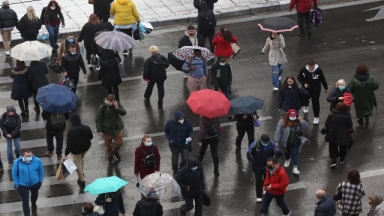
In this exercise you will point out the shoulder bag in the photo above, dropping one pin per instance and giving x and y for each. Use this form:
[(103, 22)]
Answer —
[(235, 49), (122, 72)]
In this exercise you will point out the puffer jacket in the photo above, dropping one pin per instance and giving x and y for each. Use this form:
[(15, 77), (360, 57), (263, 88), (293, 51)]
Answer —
[(108, 118), (340, 128), (29, 29), (148, 207), (125, 12), (27, 174), (8, 17), (223, 47), (10, 124), (192, 179), (109, 70), (176, 132), (290, 98), (278, 180), (72, 64), (20, 87)]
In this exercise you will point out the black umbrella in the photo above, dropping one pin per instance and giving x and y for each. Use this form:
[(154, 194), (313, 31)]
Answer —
[(278, 24), (245, 105), (176, 63)]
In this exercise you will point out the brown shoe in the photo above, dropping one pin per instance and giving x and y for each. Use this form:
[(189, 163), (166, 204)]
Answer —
[(49, 154), (34, 207), (36, 109), (59, 157)]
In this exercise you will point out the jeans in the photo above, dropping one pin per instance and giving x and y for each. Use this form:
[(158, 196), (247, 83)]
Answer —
[(53, 34), (276, 72), (24, 193), (117, 138), (227, 91), (16, 142), (267, 199), (259, 184), (301, 17), (160, 90), (241, 132), (347, 214), (184, 152), (336, 150), (293, 150), (114, 90), (23, 104), (214, 144), (189, 204), (59, 135)]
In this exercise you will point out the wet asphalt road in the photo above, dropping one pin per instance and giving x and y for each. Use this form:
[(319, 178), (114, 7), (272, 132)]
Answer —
[(343, 41)]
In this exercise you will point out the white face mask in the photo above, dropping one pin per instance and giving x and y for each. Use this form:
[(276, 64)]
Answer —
[(148, 144), (222, 63), (82, 209), (73, 53), (53, 8), (289, 86), (292, 118), (181, 121)]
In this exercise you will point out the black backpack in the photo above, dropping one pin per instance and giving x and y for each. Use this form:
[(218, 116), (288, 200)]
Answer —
[(58, 121), (213, 129), (150, 159), (208, 22)]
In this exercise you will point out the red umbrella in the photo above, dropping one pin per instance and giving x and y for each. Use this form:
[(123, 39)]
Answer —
[(209, 103), (348, 98)]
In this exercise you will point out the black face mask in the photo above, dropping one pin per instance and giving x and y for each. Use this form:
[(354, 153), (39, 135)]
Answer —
[(270, 167)]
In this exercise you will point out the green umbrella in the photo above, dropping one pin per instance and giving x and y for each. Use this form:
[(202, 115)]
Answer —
[(105, 185)]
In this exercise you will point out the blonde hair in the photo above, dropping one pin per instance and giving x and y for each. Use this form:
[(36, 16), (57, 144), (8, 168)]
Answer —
[(375, 199), (154, 50), (340, 82), (5, 2), (31, 14)]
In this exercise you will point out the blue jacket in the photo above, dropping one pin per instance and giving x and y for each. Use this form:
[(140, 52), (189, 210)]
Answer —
[(290, 98), (27, 174), (175, 132), (258, 154), (325, 207)]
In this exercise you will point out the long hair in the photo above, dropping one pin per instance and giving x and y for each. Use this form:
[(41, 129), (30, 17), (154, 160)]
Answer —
[(31, 14), (354, 177), (375, 199), (55, 3), (287, 122), (227, 35), (294, 85), (143, 139), (93, 19)]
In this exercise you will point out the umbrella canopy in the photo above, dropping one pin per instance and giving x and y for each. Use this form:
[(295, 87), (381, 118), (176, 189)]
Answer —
[(176, 63), (348, 98), (208, 103), (278, 24), (187, 51), (159, 186), (31, 51), (56, 98), (105, 185), (245, 105), (115, 40)]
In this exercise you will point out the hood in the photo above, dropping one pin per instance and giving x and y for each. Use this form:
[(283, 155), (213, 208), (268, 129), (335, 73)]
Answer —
[(179, 114), (19, 70), (123, 2), (192, 162), (362, 76), (109, 54), (160, 60), (341, 117), (203, 6), (75, 120), (186, 33), (316, 66), (11, 108)]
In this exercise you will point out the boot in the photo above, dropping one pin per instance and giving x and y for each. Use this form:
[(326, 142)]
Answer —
[(182, 212), (26, 111), (366, 119)]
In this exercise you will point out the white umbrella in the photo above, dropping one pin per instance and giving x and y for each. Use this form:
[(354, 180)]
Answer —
[(31, 51)]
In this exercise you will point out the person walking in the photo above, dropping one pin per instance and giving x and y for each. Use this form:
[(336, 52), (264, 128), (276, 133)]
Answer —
[(291, 95), (206, 24), (197, 69), (28, 175), (209, 134), (9, 20), (37, 78), (275, 184), (191, 38), (312, 77), (210, 4), (113, 203), (148, 207), (71, 64), (78, 143), (51, 17), (10, 124), (64, 47), (21, 90), (337, 95), (377, 205), (222, 77), (55, 127), (29, 25), (363, 87), (110, 125), (275, 43), (288, 135), (87, 210), (257, 154), (102, 8), (303, 9), (223, 43), (155, 73), (147, 158), (325, 206), (244, 123), (351, 192), (340, 133), (191, 182), (109, 72), (126, 18), (179, 133)]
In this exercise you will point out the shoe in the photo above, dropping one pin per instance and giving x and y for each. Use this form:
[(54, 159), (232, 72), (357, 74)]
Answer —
[(34, 207), (287, 162), (125, 52), (305, 109), (301, 35), (275, 89), (264, 191), (360, 121), (288, 214), (295, 171), (110, 159), (216, 172), (80, 183), (27, 112), (90, 66), (309, 34), (333, 164), (279, 77), (22, 113), (259, 200), (98, 68), (182, 212), (316, 121), (185, 75), (366, 119), (56, 46), (342, 161), (37, 110), (49, 154), (7, 53), (117, 156), (59, 157)]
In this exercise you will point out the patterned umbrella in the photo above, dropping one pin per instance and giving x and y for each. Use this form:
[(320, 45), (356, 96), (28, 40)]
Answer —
[(187, 51), (159, 186), (31, 51), (115, 40)]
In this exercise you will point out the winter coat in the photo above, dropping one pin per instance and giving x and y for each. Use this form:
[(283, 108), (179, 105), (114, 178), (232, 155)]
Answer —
[(148, 207), (340, 127), (362, 87), (290, 98), (351, 197), (201, 29), (109, 72), (205, 123), (112, 208), (245, 123), (29, 29), (47, 116), (177, 133), (108, 118), (221, 75), (125, 12), (37, 75), (223, 47), (185, 41), (10, 124), (282, 134), (313, 79), (8, 17), (210, 3), (20, 86), (278, 181), (325, 207), (258, 154), (101, 8), (44, 17), (88, 32), (72, 64), (276, 54), (333, 97), (63, 49), (139, 160), (378, 211), (194, 179), (302, 6), (27, 174), (155, 68), (78, 137)]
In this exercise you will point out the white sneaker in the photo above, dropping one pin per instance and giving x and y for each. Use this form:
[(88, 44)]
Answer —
[(259, 200), (264, 192), (90, 66), (316, 121), (8, 53), (275, 89), (305, 109), (295, 171), (279, 77), (185, 75), (288, 214), (287, 162)]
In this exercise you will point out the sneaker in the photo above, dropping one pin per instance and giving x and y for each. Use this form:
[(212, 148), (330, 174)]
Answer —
[(275, 89), (80, 183), (125, 52), (287, 162), (49, 154), (288, 214), (342, 161), (90, 66), (264, 192), (279, 77), (316, 120), (360, 121), (333, 164), (259, 200), (305, 109), (34, 207), (7, 53), (117, 156), (110, 159), (55, 46), (366, 119), (182, 213), (185, 75), (295, 171), (59, 157), (98, 68)]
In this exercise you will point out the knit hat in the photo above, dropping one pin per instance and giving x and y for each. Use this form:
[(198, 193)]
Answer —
[(265, 138)]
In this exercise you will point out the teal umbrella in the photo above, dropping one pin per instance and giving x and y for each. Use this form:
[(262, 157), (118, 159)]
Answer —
[(105, 185)]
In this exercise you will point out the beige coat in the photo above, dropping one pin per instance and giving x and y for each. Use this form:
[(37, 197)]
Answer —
[(276, 53)]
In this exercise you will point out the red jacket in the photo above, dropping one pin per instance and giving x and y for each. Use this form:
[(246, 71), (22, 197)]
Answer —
[(278, 180), (302, 6), (139, 165), (223, 47)]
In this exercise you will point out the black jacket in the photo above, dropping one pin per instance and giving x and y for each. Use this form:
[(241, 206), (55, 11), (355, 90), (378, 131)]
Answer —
[(8, 17), (325, 207), (204, 12), (333, 97), (112, 208), (44, 16), (258, 154), (36, 75), (72, 64), (245, 123), (194, 179), (184, 41), (20, 86), (210, 3), (148, 207), (109, 70), (47, 116), (28, 29), (154, 68), (79, 137), (340, 128), (313, 79), (10, 124), (89, 30), (101, 8), (221, 75), (290, 98)]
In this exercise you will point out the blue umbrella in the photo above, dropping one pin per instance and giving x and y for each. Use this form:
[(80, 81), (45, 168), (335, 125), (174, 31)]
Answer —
[(56, 98), (245, 105)]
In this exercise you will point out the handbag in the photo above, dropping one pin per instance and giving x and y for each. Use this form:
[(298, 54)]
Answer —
[(122, 72), (61, 172), (338, 196), (43, 37), (256, 122), (206, 199), (70, 83), (235, 49)]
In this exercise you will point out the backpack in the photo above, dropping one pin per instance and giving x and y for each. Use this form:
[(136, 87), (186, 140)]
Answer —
[(208, 22), (316, 18), (213, 129), (58, 121), (150, 159)]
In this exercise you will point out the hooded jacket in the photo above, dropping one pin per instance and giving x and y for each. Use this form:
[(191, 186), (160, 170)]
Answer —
[(108, 118), (8, 17), (155, 68), (186, 40), (148, 207), (109, 70), (176, 132), (10, 124), (282, 133), (325, 207), (72, 64), (27, 174), (37, 75), (29, 29), (203, 13), (221, 75), (258, 154), (314, 79), (125, 12), (223, 47), (333, 97), (20, 87), (290, 98), (210, 4), (194, 179), (205, 123), (78, 137), (302, 6), (340, 128), (278, 180)]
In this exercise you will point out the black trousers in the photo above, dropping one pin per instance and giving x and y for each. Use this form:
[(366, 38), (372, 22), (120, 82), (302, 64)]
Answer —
[(184, 152), (59, 135), (24, 193), (75, 78), (301, 17), (336, 150), (189, 204), (213, 143), (210, 39), (114, 90), (160, 91), (34, 93), (23, 104), (241, 132), (259, 184), (315, 104)]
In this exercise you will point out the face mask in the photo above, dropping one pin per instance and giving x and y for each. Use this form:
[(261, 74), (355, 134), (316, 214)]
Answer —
[(71, 40), (270, 167), (28, 159), (342, 88), (197, 58), (292, 118), (73, 53), (265, 144), (53, 8), (181, 121), (148, 143), (194, 168), (82, 209), (289, 86), (222, 63), (273, 37)]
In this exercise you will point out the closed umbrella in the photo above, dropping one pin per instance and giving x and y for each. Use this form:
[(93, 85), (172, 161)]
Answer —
[(278, 24), (56, 98), (31, 51), (208, 103), (245, 105), (115, 40), (185, 52), (105, 185), (159, 186)]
